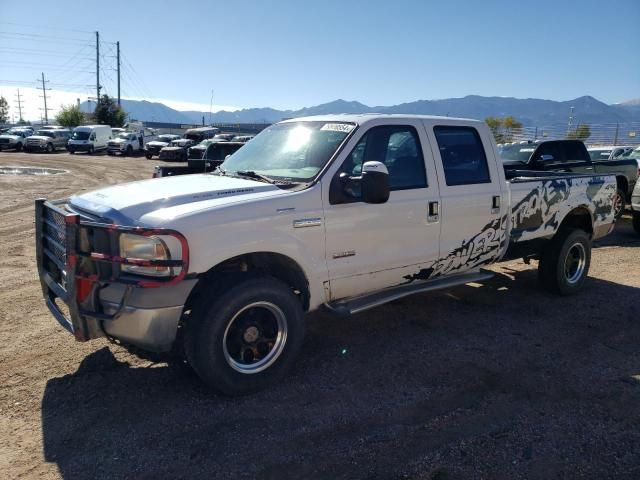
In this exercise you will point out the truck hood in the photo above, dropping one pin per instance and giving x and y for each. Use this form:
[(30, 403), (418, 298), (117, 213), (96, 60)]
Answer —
[(169, 197), (11, 137), (39, 137), (157, 143)]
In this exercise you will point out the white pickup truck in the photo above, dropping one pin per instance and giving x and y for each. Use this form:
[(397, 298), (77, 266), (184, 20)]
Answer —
[(344, 212)]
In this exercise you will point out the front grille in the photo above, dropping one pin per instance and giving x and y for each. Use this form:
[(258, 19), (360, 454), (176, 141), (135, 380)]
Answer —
[(31, 141), (4, 140), (54, 241)]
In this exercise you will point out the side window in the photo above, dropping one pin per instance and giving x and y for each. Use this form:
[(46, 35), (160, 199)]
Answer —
[(550, 148), (398, 147), (574, 151), (463, 157)]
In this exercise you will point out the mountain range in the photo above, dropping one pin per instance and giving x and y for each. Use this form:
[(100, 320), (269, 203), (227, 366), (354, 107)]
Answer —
[(529, 111)]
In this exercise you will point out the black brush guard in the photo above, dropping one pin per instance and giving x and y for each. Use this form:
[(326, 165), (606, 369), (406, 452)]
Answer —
[(64, 276)]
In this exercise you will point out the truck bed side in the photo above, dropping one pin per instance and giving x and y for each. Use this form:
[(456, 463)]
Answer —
[(540, 201)]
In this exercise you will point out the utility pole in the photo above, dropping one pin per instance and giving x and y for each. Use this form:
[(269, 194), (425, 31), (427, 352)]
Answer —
[(118, 59), (570, 121), (615, 139), (19, 104), (44, 96), (98, 65)]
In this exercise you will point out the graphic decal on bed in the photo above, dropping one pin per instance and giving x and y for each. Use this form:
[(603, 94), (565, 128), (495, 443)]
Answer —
[(544, 207), (479, 250)]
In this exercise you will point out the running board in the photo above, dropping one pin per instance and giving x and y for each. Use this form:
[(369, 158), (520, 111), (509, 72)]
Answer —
[(351, 306)]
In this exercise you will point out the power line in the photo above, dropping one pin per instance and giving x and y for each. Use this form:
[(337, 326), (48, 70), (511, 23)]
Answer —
[(39, 27)]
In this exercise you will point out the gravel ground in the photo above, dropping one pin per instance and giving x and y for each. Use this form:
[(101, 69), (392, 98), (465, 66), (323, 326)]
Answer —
[(496, 381)]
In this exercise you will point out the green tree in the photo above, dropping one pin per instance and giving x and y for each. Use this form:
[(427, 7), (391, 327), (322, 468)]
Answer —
[(495, 125), (70, 116), (503, 129), (582, 132), (109, 113), (4, 110)]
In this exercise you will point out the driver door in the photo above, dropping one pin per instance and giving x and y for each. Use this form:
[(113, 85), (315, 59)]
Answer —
[(374, 246)]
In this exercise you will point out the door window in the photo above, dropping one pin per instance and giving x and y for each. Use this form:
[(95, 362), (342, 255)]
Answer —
[(398, 147), (463, 157)]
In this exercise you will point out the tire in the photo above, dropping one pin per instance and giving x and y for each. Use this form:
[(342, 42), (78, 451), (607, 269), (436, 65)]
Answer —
[(149, 156), (91, 150), (559, 273), (636, 221), (225, 340), (618, 203), (50, 148), (72, 152), (19, 147), (129, 151)]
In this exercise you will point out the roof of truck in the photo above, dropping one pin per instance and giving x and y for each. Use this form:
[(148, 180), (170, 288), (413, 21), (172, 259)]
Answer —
[(362, 118)]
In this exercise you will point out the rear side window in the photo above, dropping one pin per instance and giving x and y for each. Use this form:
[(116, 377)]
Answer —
[(575, 151), (463, 157)]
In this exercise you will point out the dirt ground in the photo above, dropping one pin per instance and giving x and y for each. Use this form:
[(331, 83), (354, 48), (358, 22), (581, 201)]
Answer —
[(496, 381)]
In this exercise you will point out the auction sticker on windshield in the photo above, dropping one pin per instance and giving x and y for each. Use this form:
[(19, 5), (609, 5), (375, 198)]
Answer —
[(338, 127)]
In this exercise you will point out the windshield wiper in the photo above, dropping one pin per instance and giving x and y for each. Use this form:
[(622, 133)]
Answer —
[(258, 176)]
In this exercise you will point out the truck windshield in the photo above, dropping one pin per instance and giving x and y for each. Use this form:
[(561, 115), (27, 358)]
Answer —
[(82, 135), (516, 153), (165, 138), (125, 136), (44, 133), (295, 151)]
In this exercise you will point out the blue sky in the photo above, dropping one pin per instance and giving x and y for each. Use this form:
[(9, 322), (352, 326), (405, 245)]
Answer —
[(290, 54)]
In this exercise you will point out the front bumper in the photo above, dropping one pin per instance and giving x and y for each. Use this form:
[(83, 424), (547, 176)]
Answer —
[(86, 280), (35, 147)]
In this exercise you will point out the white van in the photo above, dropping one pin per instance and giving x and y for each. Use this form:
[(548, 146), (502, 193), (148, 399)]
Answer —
[(89, 138)]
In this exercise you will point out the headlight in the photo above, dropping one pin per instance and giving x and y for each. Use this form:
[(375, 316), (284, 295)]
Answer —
[(144, 248)]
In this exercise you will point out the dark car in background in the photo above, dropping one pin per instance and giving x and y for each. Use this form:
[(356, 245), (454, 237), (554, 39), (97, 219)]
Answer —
[(176, 151), (153, 148), (571, 156), (215, 154)]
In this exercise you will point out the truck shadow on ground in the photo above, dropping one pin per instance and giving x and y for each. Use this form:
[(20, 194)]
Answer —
[(622, 235), (500, 380)]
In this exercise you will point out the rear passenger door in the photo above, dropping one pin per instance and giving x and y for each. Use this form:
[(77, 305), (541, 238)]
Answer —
[(473, 203)]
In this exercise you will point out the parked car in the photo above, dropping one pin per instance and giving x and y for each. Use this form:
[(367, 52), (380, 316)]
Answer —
[(89, 138), (198, 151), (14, 138), (608, 153), (47, 140), (571, 156), (635, 155), (242, 138), (200, 134), (635, 207), (153, 148), (341, 212), (210, 159), (226, 137), (176, 150), (125, 144)]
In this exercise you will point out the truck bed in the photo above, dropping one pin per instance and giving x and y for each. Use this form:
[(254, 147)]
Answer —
[(541, 200)]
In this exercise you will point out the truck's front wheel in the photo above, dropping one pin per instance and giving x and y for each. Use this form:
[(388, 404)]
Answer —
[(564, 263), (247, 337)]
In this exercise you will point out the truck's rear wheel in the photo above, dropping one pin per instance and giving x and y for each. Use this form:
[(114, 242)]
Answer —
[(247, 337), (129, 151), (149, 156), (636, 221), (49, 148), (564, 263)]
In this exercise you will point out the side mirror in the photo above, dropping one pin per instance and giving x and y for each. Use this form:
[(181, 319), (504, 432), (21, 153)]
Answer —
[(375, 182), (546, 158)]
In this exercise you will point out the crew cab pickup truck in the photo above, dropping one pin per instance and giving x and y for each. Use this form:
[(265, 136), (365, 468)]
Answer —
[(342, 212), (572, 156)]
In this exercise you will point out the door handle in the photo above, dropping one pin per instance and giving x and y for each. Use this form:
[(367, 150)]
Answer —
[(588, 168), (495, 204), (434, 212)]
